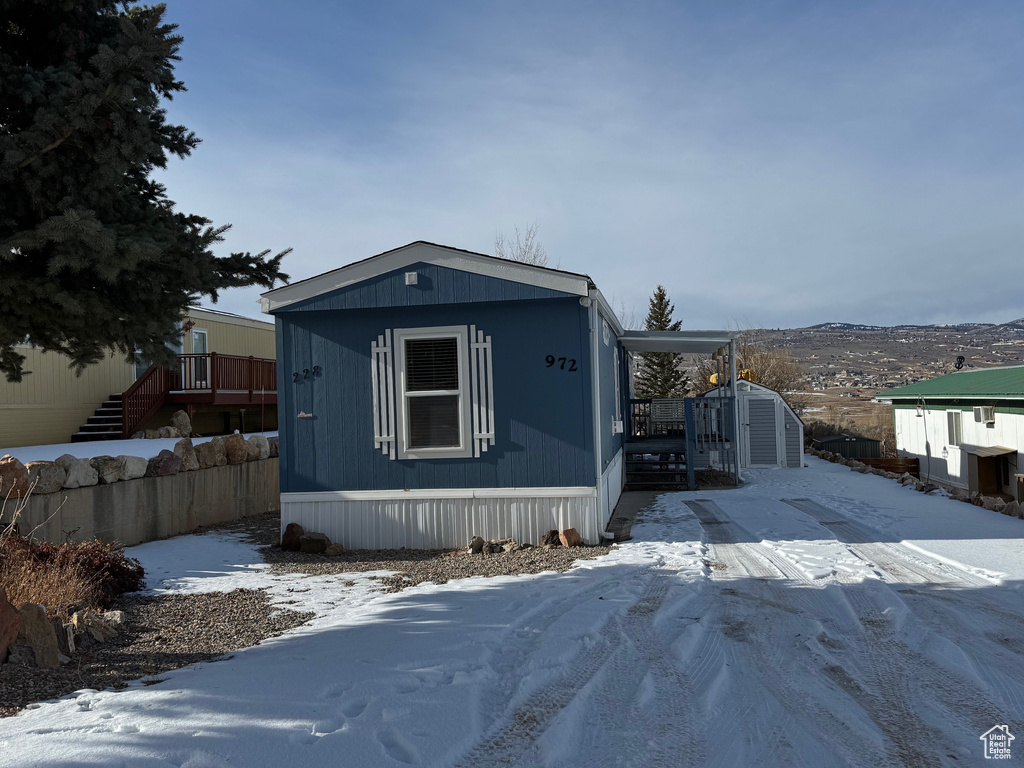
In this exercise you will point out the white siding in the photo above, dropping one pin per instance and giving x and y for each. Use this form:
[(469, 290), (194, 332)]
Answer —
[(926, 437), (416, 520), (611, 488)]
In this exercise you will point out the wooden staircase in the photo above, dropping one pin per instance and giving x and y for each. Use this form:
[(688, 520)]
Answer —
[(105, 424)]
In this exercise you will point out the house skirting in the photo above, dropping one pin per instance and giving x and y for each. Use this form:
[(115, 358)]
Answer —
[(443, 519), (611, 488)]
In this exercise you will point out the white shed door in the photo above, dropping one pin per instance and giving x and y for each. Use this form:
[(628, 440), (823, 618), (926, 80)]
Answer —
[(761, 427)]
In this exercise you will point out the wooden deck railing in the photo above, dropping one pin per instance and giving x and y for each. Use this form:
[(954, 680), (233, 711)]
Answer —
[(211, 373), (143, 398)]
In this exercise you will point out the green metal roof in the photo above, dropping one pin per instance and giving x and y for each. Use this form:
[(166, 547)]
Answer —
[(984, 384)]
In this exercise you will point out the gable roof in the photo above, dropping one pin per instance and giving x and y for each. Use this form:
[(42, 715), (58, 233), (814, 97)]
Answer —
[(982, 384), (429, 253)]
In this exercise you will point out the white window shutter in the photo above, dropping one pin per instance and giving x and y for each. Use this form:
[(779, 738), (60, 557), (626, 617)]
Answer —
[(383, 370), (481, 380)]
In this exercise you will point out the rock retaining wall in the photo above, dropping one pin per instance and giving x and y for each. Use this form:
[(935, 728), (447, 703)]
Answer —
[(178, 493)]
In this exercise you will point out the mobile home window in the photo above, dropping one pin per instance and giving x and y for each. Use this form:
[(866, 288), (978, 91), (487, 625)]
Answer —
[(953, 420), (433, 391)]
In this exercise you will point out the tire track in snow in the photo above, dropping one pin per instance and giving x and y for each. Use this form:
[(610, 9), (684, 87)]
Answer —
[(665, 735), (940, 612), (784, 602), (643, 697)]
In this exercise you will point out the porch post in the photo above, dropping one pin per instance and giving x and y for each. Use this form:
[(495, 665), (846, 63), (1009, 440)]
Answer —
[(735, 410)]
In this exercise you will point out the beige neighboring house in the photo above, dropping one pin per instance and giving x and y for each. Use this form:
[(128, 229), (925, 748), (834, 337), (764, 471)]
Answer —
[(216, 381)]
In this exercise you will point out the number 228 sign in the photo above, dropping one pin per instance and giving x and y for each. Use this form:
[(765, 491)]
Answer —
[(561, 363)]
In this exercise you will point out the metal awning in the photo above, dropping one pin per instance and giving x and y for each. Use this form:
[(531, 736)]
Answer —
[(989, 450), (683, 342)]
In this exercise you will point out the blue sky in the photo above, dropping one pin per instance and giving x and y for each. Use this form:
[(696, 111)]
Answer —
[(773, 164)]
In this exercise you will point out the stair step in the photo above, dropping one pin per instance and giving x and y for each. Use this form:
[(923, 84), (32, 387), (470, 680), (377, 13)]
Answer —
[(115, 405), (109, 411), (86, 437), (116, 396), (104, 420), (106, 427)]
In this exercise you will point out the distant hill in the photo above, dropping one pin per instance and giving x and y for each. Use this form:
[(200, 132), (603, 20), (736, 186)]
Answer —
[(1014, 326)]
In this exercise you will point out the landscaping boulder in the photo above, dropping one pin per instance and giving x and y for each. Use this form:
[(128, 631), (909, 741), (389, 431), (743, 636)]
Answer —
[(45, 476), (992, 503), (274, 447), (166, 432), (81, 473), (10, 625), (163, 464), (570, 538), (132, 467), (1012, 509), (314, 543), (291, 540), (140, 435), (13, 479), (551, 539), (262, 445), (107, 468), (236, 449), (37, 633), (187, 452), (334, 550), (181, 423), (152, 434), (510, 546), (211, 453)]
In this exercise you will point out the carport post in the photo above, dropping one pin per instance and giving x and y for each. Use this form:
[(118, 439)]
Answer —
[(735, 437)]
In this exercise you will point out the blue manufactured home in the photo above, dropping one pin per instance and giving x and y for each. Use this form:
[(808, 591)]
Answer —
[(429, 394)]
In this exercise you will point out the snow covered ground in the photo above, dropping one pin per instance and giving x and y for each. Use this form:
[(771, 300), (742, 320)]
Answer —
[(147, 449), (813, 617)]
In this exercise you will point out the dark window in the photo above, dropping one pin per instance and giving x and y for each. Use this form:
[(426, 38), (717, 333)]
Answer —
[(434, 421), (432, 392), (431, 365), (955, 426)]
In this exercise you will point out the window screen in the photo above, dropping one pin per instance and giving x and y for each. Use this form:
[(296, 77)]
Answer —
[(954, 423), (432, 392)]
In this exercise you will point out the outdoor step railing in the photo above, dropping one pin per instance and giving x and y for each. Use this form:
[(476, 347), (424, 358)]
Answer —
[(210, 372)]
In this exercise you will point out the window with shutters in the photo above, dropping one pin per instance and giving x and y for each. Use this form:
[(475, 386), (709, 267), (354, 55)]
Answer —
[(953, 420), (433, 392)]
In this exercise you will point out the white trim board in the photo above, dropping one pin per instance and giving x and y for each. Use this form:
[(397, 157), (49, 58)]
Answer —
[(429, 253), (441, 493)]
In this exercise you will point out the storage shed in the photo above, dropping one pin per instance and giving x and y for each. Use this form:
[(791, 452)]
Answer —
[(430, 394), (850, 446), (770, 433)]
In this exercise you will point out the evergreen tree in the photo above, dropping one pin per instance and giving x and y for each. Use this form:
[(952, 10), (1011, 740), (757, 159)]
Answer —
[(93, 255), (658, 373)]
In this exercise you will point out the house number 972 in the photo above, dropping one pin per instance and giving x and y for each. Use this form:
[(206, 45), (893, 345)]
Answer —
[(562, 363)]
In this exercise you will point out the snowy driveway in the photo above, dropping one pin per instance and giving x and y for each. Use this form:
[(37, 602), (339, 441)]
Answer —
[(811, 618)]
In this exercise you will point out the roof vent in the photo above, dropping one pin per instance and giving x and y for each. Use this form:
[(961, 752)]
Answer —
[(412, 278)]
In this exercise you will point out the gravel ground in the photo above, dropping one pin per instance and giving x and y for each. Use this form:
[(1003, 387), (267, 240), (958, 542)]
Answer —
[(411, 566), (416, 566), (164, 632)]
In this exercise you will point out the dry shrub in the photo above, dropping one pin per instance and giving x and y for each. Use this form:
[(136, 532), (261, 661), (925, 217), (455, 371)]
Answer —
[(65, 577)]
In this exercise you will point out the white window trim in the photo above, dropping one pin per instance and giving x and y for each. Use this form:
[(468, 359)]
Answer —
[(465, 447)]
